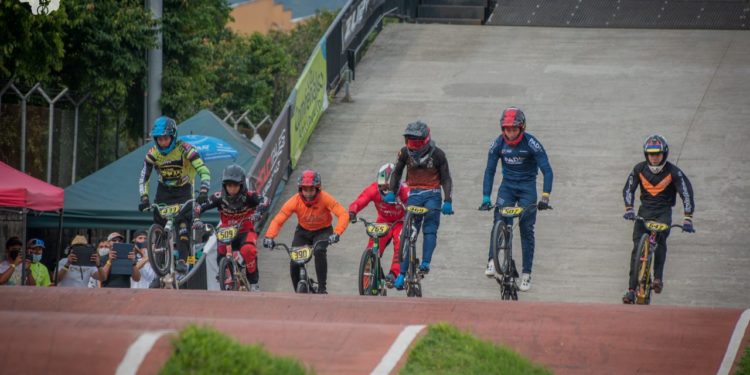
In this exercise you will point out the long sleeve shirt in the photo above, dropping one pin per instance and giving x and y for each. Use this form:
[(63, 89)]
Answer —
[(313, 217), (521, 163)]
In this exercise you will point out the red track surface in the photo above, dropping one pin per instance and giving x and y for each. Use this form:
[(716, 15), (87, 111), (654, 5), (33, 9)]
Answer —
[(89, 331)]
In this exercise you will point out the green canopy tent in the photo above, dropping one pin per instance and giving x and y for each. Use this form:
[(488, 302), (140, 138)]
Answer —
[(109, 198)]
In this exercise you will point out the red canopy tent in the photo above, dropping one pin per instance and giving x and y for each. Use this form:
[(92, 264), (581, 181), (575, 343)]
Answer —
[(19, 190)]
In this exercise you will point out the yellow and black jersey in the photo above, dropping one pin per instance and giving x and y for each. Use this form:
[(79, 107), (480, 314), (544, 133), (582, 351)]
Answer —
[(659, 191), (176, 169)]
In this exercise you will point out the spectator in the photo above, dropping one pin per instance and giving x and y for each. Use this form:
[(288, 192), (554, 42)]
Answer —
[(39, 272), (10, 274), (72, 275), (115, 237), (143, 274)]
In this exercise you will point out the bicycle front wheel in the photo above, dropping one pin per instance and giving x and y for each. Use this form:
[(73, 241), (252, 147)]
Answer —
[(302, 287), (643, 269), (227, 278), (159, 249), (368, 274), (500, 247)]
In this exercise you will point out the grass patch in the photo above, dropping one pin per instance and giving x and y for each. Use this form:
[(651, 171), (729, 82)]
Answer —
[(743, 368), (202, 350), (446, 350)]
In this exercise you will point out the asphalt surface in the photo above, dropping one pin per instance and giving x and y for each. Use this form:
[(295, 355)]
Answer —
[(591, 96)]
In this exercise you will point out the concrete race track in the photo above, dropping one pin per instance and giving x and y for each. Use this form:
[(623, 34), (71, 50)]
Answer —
[(66, 330)]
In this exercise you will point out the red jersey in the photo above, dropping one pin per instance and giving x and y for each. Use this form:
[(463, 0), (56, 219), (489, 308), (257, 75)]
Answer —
[(387, 213)]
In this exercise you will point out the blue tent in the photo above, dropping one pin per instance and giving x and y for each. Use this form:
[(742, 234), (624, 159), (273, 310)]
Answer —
[(109, 197)]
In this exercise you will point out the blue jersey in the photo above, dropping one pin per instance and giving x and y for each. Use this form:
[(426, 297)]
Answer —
[(521, 163)]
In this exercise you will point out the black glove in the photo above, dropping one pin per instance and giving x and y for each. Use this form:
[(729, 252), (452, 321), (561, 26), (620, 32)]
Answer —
[(202, 197), (543, 203), (269, 243), (352, 217), (629, 214), (256, 217), (144, 205), (197, 224), (333, 238), (687, 225)]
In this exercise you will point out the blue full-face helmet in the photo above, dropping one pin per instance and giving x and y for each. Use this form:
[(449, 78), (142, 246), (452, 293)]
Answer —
[(165, 126)]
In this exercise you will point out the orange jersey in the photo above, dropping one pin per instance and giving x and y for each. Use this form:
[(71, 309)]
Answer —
[(312, 218)]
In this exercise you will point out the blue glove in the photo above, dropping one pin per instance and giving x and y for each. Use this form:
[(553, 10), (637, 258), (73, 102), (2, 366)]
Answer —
[(268, 243), (447, 208), (486, 203), (333, 238), (390, 198), (629, 214), (687, 225)]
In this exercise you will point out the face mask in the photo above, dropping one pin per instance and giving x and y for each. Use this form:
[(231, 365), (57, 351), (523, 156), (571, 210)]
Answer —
[(140, 245), (103, 251), (36, 258)]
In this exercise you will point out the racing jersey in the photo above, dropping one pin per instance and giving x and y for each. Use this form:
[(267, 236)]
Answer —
[(429, 172), (387, 212), (314, 217), (176, 169), (659, 191), (234, 210), (521, 163)]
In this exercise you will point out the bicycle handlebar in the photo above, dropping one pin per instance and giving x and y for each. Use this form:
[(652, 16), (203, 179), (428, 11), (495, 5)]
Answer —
[(156, 206), (640, 218), (493, 206), (288, 249)]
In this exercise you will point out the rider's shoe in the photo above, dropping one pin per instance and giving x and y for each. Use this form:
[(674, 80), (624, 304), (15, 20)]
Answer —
[(525, 282), (424, 268), (390, 278), (629, 297), (254, 287), (399, 283), (322, 290), (490, 271), (181, 267), (658, 286)]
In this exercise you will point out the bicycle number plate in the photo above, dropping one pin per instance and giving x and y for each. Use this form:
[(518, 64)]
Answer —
[(656, 227), (191, 260), (378, 230), (417, 210), (226, 234), (170, 210), (511, 211), (301, 254)]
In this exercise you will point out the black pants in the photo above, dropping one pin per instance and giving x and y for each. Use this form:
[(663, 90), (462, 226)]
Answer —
[(639, 229), (302, 237), (166, 195)]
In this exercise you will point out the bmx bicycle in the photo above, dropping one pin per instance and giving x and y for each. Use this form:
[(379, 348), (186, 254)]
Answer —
[(643, 263), (371, 280), (161, 239), (301, 256), (409, 233)]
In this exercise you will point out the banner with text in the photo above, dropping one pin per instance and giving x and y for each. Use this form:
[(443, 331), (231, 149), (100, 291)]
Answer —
[(270, 166), (309, 100)]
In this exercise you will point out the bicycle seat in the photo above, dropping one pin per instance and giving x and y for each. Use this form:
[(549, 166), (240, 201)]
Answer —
[(656, 226), (417, 210), (511, 211), (377, 230)]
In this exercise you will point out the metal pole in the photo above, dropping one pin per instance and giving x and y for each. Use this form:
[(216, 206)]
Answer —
[(51, 123), (24, 250), (155, 65), (59, 243), (24, 98), (75, 135), (96, 146)]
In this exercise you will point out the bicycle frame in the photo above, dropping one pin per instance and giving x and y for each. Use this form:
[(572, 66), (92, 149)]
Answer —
[(505, 268), (409, 234), (644, 261), (226, 234), (302, 255), (166, 272), (376, 276)]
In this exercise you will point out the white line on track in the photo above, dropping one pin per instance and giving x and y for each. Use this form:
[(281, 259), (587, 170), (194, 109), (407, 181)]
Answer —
[(137, 352), (397, 349), (734, 343)]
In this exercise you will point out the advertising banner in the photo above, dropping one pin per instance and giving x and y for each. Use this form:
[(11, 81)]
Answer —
[(358, 14), (272, 161), (309, 101)]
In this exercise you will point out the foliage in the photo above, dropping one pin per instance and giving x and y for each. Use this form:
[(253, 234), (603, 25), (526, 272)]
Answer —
[(300, 42), (206, 351), (743, 368), (446, 350)]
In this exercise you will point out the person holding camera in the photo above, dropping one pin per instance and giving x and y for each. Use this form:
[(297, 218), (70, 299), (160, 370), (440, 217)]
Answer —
[(73, 271), (143, 275), (10, 270)]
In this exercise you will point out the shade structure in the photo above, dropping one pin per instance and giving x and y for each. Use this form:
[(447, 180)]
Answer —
[(18, 189)]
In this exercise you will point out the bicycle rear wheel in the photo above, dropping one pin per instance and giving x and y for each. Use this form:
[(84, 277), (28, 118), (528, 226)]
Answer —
[(227, 278), (159, 249), (404, 237), (643, 269), (368, 274)]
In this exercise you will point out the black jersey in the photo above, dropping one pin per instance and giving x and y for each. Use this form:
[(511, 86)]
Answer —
[(659, 191), (430, 171)]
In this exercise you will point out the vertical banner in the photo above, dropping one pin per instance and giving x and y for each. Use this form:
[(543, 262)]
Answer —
[(272, 161), (310, 100)]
